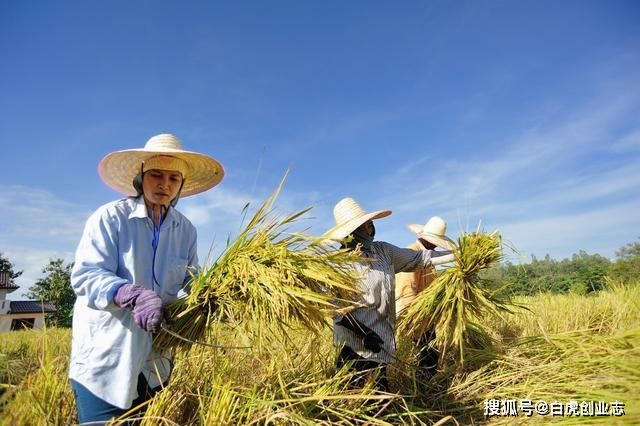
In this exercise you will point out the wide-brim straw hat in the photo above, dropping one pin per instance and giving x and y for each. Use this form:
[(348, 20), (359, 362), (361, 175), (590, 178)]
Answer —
[(433, 231), (349, 216), (118, 168)]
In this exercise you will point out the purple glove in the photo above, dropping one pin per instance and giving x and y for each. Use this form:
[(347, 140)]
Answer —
[(126, 295), (147, 306), (147, 312)]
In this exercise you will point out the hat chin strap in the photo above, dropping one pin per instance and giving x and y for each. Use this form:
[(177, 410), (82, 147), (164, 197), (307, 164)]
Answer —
[(157, 224), (177, 197), (156, 239), (159, 209)]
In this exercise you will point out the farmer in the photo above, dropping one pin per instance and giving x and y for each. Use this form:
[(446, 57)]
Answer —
[(134, 256), (366, 334), (409, 284)]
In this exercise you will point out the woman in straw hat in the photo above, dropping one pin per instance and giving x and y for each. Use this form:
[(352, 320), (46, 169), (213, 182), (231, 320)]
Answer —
[(366, 334), (408, 284), (134, 256)]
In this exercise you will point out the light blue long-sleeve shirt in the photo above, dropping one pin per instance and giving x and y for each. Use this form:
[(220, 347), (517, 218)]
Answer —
[(108, 350)]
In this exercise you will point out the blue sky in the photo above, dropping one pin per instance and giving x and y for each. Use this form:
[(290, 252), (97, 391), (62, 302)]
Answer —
[(523, 115)]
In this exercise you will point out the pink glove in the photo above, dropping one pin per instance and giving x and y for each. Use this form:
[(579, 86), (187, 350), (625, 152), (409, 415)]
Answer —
[(147, 306)]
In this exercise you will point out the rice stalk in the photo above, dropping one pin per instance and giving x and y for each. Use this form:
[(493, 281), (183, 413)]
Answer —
[(456, 304), (268, 274), (43, 394)]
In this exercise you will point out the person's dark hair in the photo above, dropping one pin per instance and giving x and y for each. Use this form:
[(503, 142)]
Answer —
[(137, 185)]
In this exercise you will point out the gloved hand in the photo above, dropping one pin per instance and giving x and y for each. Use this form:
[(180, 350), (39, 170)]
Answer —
[(146, 304), (147, 312), (126, 295), (373, 342)]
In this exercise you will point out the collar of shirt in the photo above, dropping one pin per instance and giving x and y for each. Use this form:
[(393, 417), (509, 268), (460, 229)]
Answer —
[(139, 211)]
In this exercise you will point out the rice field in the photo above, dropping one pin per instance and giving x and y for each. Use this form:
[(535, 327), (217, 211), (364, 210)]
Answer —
[(568, 354)]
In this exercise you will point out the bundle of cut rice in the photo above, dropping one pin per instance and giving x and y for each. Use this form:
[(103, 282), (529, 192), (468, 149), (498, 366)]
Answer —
[(457, 302), (265, 274)]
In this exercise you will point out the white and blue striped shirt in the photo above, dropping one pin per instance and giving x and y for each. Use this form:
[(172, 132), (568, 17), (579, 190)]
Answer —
[(378, 286)]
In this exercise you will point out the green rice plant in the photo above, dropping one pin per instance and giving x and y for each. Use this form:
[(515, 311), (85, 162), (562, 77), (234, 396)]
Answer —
[(269, 274), (456, 304)]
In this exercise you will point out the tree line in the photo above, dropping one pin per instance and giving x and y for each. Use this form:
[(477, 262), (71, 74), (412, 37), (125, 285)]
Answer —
[(583, 273)]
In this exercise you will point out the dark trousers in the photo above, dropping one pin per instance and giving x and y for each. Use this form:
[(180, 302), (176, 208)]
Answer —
[(364, 369), (99, 412), (427, 357)]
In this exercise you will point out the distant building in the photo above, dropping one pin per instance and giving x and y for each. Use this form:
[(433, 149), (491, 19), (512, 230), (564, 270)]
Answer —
[(20, 314)]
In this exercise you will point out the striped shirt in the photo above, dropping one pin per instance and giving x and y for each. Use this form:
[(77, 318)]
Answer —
[(378, 286)]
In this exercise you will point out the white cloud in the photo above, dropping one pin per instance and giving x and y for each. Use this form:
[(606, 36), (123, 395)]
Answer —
[(220, 214), (37, 226), (35, 214), (569, 192), (31, 261), (601, 230), (628, 143), (537, 155), (219, 205), (550, 188)]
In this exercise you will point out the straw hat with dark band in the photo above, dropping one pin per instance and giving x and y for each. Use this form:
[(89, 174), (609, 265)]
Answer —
[(200, 172), (434, 232), (349, 216)]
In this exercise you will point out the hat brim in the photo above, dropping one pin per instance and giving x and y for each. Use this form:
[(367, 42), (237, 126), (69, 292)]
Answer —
[(442, 242), (119, 168), (341, 231)]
